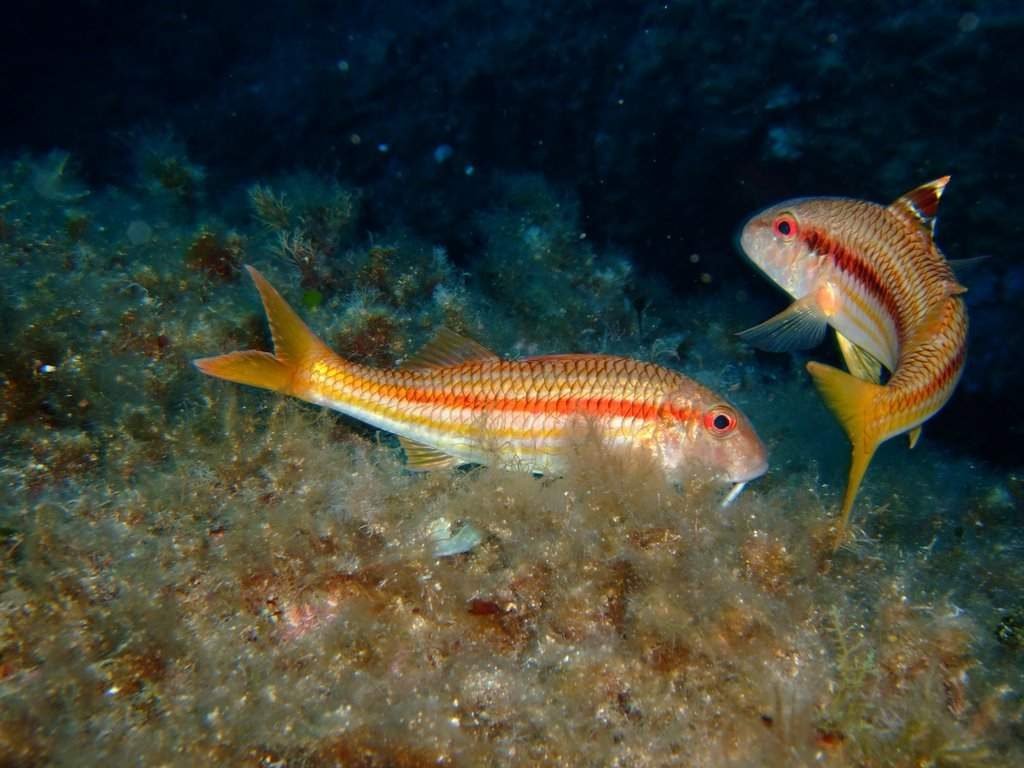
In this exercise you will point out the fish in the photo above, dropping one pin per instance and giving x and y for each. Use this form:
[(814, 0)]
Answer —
[(876, 276), (456, 402)]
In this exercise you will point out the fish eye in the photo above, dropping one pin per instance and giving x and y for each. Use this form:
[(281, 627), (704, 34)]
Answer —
[(720, 420), (785, 226)]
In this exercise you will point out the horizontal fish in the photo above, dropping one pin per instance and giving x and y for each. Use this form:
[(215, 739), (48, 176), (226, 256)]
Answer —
[(457, 402), (875, 274)]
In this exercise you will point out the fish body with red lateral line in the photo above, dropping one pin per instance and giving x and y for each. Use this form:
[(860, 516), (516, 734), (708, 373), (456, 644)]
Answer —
[(456, 402), (874, 274)]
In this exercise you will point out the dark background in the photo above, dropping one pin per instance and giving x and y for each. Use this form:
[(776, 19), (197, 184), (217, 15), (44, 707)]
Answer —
[(670, 121)]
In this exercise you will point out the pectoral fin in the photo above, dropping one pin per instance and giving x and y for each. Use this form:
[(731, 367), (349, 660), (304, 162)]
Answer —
[(800, 326)]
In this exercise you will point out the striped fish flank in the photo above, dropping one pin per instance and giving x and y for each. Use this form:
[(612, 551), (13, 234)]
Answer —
[(457, 402), (875, 275)]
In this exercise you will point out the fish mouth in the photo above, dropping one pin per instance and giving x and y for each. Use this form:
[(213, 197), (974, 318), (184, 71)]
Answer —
[(750, 473), (740, 480)]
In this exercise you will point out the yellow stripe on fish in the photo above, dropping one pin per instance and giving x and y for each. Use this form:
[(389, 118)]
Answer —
[(457, 402), (875, 274)]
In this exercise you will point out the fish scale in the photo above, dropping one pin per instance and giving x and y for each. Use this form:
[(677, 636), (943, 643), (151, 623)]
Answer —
[(457, 402), (875, 274), (502, 400)]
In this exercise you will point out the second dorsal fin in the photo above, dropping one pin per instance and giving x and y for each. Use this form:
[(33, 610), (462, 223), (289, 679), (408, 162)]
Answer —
[(922, 204), (448, 348)]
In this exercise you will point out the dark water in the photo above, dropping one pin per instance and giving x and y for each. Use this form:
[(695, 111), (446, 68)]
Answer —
[(546, 177)]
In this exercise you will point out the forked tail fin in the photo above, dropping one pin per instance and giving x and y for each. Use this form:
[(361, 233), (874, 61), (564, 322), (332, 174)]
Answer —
[(257, 369), (293, 343), (853, 401)]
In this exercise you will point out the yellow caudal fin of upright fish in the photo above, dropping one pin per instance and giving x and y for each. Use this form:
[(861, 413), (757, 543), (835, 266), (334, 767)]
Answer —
[(853, 402), (293, 343)]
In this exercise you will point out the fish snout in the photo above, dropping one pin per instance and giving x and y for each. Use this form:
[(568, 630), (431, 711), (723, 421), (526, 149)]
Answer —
[(749, 470), (757, 240), (783, 259), (748, 458), (748, 239)]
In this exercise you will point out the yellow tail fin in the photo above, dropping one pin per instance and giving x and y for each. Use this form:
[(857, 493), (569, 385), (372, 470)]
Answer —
[(293, 343), (257, 369), (852, 401)]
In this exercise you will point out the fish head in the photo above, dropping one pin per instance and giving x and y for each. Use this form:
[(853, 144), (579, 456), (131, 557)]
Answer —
[(773, 240), (702, 428)]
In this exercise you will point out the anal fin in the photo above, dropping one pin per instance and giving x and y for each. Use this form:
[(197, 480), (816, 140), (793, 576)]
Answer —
[(801, 325), (424, 458), (859, 361)]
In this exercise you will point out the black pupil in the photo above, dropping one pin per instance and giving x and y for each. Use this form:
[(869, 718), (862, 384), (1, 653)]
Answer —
[(785, 228), (721, 421)]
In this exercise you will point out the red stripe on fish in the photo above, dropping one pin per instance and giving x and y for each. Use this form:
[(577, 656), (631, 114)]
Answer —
[(851, 263), (582, 406)]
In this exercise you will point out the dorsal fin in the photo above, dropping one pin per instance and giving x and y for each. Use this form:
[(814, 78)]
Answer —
[(922, 204), (448, 348)]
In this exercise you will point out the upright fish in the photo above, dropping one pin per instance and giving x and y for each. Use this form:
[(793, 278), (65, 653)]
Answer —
[(875, 274), (457, 402)]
